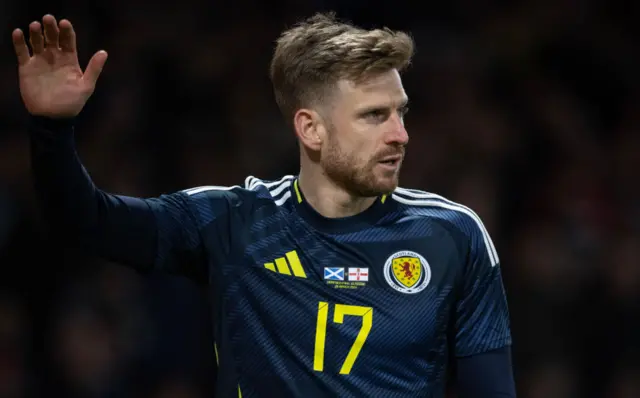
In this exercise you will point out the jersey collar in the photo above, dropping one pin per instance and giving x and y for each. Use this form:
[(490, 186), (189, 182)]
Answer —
[(363, 220)]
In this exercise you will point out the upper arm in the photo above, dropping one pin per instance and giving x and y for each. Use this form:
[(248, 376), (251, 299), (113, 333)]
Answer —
[(195, 227), (165, 233), (178, 239), (486, 375), (145, 234), (482, 317)]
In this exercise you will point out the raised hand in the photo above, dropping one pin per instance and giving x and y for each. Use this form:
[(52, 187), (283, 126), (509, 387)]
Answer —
[(52, 84)]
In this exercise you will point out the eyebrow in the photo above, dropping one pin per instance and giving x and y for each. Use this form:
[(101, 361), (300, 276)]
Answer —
[(402, 104)]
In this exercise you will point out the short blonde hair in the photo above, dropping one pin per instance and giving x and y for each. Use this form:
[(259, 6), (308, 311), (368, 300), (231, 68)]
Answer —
[(312, 56)]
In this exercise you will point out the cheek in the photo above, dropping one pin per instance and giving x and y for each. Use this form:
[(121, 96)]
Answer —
[(352, 146), (362, 153), (340, 154)]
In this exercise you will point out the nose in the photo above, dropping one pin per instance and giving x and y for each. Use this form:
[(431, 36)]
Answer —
[(397, 134)]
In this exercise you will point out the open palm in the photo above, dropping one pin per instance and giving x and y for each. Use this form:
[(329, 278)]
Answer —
[(52, 84)]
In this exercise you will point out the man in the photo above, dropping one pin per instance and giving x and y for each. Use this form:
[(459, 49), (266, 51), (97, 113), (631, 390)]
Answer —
[(332, 283)]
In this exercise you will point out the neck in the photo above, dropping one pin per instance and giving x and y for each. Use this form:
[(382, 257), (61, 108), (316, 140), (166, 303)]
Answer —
[(328, 198)]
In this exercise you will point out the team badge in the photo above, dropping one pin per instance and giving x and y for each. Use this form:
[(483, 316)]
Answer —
[(407, 272)]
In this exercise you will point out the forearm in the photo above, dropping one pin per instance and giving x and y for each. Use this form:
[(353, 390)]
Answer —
[(118, 228), (487, 375)]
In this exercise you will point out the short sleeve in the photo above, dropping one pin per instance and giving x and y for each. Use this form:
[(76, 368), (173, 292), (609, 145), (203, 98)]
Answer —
[(482, 315)]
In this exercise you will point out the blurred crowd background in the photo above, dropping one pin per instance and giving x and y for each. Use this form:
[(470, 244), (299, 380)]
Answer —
[(528, 112)]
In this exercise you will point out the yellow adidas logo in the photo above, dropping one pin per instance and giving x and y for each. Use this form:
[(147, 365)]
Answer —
[(282, 265)]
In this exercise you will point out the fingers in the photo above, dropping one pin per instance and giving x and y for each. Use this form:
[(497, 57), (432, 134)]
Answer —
[(51, 35), (94, 68), (50, 31), (20, 46), (67, 36), (35, 37), (56, 36)]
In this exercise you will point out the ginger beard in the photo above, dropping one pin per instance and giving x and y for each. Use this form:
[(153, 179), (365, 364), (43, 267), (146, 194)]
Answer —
[(365, 178)]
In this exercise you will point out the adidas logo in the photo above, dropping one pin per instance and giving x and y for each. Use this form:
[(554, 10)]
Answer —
[(287, 265)]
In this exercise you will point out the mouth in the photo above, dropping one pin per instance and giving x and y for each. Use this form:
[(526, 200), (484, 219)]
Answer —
[(391, 161)]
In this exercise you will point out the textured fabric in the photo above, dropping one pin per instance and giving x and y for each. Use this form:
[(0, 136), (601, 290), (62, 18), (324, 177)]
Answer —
[(355, 322)]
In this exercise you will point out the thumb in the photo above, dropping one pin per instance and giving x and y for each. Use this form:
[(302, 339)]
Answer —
[(94, 68)]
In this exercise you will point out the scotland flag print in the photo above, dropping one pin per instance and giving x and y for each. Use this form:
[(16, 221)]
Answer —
[(333, 273)]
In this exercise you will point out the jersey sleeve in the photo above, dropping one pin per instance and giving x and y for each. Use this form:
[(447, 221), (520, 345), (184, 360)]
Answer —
[(197, 226), (482, 316), (486, 375), (160, 233)]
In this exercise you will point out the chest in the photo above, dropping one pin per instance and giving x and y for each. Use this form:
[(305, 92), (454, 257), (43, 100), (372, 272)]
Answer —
[(395, 283), (414, 258)]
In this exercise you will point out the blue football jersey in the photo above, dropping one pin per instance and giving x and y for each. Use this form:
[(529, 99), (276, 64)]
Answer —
[(373, 305)]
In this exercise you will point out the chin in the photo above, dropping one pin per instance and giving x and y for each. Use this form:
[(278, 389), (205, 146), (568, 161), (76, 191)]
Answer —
[(388, 186), (387, 182), (379, 186)]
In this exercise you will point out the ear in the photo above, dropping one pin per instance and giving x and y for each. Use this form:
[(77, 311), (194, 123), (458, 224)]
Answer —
[(309, 128)]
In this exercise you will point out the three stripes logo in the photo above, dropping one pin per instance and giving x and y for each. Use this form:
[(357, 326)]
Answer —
[(287, 265)]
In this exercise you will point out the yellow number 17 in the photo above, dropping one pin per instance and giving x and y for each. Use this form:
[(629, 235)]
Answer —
[(339, 312)]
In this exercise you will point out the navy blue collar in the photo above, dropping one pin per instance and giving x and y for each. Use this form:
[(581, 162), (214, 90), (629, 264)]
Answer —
[(365, 219)]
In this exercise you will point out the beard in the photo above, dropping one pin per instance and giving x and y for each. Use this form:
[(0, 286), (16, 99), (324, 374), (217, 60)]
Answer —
[(361, 178)]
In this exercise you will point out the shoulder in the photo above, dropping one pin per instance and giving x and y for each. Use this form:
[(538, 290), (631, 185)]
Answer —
[(209, 202), (458, 216), (253, 190), (275, 191), (431, 205)]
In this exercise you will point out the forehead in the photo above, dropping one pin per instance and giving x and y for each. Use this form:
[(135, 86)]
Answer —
[(383, 89)]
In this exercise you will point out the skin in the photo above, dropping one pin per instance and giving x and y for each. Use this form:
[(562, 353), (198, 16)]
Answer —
[(52, 84), (344, 142)]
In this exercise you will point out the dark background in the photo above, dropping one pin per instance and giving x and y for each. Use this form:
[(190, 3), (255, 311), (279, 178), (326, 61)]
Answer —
[(528, 112)]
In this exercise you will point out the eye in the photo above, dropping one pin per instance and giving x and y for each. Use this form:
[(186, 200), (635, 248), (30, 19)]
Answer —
[(403, 111), (376, 115)]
